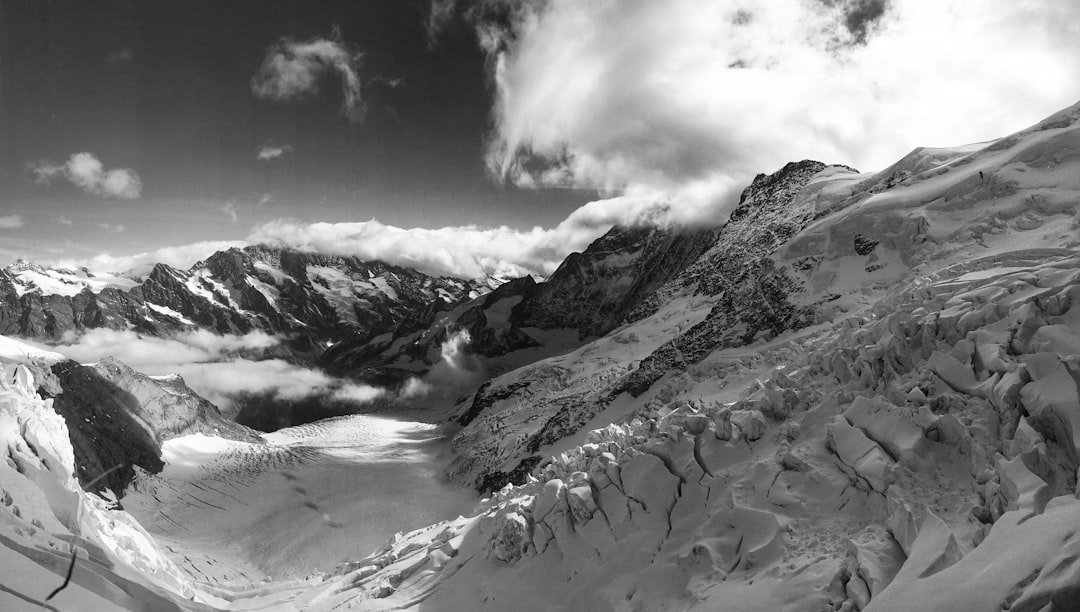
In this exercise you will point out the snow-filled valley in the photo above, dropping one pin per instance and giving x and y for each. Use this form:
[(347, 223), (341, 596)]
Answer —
[(860, 393)]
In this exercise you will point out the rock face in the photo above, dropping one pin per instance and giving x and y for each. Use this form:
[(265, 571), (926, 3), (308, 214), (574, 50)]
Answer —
[(593, 291), (117, 419)]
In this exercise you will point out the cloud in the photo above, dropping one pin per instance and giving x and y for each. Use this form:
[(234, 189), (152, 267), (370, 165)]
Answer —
[(685, 101), (456, 371), (462, 251), (440, 13), (215, 366), (123, 56), (109, 227), (88, 173), (269, 152), (292, 70), (155, 355), (11, 222), (181, 257), (230, 211), (64, 221)]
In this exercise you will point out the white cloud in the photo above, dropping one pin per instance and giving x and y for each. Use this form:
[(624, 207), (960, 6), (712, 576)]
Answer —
[(64, 221), (11, 222), (88, 173), (462, 251), (292, 69), (357, 394), (109, 227), (684, 101), (212, 364), (269, 152), (180, 257), (154, 355), (229, 209)]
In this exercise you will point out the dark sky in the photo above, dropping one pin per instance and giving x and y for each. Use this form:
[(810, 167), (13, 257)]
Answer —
[(164, 89)]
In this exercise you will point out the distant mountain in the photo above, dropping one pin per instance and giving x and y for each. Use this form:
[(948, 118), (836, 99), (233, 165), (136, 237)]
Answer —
[(312, 299)]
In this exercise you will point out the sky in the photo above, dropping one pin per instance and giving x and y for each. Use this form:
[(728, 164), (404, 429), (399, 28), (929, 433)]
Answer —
[(475, 138)]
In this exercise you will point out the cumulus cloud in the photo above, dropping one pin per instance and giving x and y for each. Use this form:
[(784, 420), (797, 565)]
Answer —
[(292, 70), (139, 264), (11, 222), (269, 152), (88, 173), (684, 101)]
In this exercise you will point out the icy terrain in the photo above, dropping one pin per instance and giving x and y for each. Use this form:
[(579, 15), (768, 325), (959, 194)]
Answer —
[(865, 395)]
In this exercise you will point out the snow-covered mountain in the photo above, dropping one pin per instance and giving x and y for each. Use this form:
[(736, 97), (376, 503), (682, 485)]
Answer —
[(311, 298), (859, 393)]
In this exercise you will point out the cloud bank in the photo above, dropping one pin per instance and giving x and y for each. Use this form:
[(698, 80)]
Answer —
[(292, 70), (684, 101), (88, 173), (214, 365), (467, 251)]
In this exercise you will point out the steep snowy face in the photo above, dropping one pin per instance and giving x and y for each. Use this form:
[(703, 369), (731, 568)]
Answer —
[(729, 294), (807, 246)]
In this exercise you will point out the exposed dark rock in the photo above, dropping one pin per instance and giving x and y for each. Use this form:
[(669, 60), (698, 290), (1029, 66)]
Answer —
[(119, 417), (864, 245), (493, 481), (594, 290)]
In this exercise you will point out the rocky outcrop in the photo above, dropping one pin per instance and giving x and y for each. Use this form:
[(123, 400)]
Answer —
[(594, 290), (117, 419)]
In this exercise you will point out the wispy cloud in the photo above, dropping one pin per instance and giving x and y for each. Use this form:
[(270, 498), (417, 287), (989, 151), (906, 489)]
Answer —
[(270, 151), (88, 173), (109, 227), (123, 56), (229, 209), (64, 221), (685, 101), (292, 70), (11, 222), (440, 13)]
